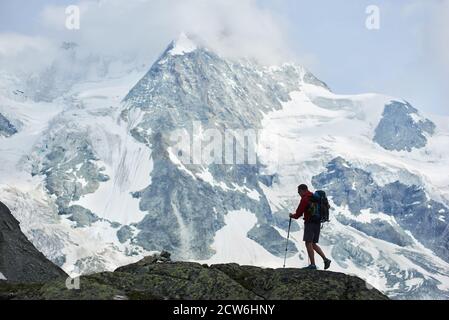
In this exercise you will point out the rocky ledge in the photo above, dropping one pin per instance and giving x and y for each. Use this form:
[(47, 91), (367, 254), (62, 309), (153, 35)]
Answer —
[(157, 277)]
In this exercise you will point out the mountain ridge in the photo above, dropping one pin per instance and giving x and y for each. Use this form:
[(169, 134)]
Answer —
[(157, 278)]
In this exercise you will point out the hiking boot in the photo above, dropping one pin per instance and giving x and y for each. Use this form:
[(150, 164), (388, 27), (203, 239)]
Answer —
[(310, 267), (327, 264)]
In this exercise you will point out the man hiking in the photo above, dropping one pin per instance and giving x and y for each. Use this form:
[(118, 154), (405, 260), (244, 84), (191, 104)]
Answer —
[(311, 229)]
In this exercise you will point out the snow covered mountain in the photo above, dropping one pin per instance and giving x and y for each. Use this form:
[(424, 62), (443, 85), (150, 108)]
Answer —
[(96, 181)]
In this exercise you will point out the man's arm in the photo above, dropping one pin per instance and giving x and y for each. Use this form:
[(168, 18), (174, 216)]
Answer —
[(300, 210)]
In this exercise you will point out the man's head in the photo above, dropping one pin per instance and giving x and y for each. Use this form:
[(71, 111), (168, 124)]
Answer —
[(302, 189)]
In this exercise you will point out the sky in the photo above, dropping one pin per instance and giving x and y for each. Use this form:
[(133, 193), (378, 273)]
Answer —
[(407, 57)]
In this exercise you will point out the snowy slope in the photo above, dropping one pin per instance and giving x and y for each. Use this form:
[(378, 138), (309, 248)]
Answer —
[(90, 108)]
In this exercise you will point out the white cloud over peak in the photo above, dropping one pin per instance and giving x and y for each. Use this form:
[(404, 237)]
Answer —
[(441, 27), (25, 54), (232, 28)]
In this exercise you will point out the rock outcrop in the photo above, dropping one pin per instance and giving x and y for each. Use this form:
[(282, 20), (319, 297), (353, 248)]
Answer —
[(20, 261), (158, 278), (7, 129), (402, 128)]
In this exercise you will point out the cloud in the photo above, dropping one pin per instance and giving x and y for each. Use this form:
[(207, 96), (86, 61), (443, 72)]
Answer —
[(438, 51), (435, 27), (21, 54), (425, 79), (441, 41), (441, 34), (238, 28)]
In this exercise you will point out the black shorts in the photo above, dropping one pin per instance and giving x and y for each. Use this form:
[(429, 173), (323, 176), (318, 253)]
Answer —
[(312, 232)]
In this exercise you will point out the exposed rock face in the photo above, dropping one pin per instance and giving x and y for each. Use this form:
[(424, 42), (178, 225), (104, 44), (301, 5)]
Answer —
[(156, 277), (124, 234), (200, 86), (271, 240), (408, 205), (69, 166), (82, 216), (311, 79), (401, 128), (7, 129), (20, 261)]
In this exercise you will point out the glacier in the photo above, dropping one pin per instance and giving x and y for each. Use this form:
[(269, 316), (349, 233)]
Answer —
[(91, 174)]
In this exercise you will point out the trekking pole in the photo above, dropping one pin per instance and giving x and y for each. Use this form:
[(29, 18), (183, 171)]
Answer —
[(286, 245)]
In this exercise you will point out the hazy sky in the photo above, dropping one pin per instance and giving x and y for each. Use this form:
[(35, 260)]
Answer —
[(407, 57)]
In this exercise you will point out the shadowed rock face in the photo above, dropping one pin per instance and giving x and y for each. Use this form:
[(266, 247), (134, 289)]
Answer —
[(398, 130), (20, 261), (7, 129), (156, 277)]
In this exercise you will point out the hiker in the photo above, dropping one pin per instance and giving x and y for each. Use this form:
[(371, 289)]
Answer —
[(311, 228)]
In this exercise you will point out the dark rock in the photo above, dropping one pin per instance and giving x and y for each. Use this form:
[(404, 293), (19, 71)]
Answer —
[(380, 229), (153, 279), (398, 130), (69, 168), (82, 216), (268, 237), (269, 180), (20, 261), (124, 234), (311, 79), (165, 254), (7, 129)]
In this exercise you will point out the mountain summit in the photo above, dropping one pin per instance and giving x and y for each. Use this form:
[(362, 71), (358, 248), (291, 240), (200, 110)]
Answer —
[(182, 45)]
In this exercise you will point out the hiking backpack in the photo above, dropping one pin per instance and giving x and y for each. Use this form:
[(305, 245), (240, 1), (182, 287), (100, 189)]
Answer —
[(320, 207)]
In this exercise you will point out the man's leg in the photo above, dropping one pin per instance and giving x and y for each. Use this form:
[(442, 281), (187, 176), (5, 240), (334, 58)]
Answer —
[(327, 262), (310, 252), (318, 250)]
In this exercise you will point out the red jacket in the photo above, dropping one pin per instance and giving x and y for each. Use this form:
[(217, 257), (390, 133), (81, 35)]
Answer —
[(303, 206)]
